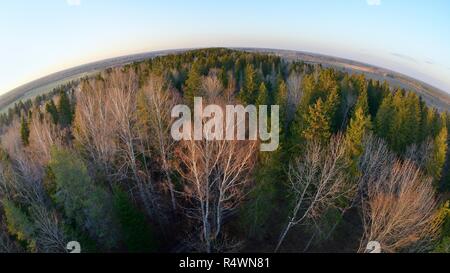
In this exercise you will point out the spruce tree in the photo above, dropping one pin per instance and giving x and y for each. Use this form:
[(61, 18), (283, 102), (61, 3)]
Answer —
[(247, 94), (50, 107), (317, 123), (384, 117), (436, 162), (263, 96), (25, 132), (193, 84), (354, 138), (65, 110), (363, 100)]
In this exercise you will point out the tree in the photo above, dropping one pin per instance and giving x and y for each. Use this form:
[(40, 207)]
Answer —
[(137, 233), (65, 110), (216, 176), (263, 96), (399, 209), (319, 182), (331, 106), (50, 107), (19, 224), (95, 129), (354, 138), (317, 123), (155, 123), (384, 117), (248, 92), (84, 202), (25, 132), (193, 84), (363, 99), (436, 162)]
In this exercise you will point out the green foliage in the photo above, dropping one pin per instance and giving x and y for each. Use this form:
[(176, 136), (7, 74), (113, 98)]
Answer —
[(443, 245), (50, 107), (138, 235), (25, 132), (84, 202), (437, 160), (65, 112), (19, 224), (249, 91), (256, 216), (398, 120), (354, 138), (193, 84), (263, 96), (363, 100), (317, 123)]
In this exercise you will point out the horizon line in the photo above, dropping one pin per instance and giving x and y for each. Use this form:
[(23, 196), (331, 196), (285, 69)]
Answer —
[(240, 48)]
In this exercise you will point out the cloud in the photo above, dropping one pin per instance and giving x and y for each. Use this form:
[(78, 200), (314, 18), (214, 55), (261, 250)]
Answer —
[(404, 57), (73, 2), (373, 2)]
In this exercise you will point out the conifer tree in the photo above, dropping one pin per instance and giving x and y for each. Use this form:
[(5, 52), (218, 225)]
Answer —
[(354, 138), (50, 107), (317, 123), (384, 117), (363, 100), (25, 132), (248, 91), (193, 84), (65, 110), (263, 96), (436, 162), (19, 224), (331, 108)]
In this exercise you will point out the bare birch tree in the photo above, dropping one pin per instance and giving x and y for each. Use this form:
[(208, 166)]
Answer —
[(295, 93), (94, 125), (399, 210), (159, 101), (318, 180), (216, 175)]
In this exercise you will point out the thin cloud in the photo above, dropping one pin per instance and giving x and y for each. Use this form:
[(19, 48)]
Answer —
[(373, 2), (73, 2), (404, 57)]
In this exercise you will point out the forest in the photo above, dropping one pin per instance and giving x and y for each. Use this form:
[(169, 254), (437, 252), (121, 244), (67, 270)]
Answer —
[(94, 162)]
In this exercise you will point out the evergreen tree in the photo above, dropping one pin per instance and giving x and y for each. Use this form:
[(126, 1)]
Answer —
[(263, 96), (50, 107), (248, 92), (85, 203), (436, 162), (193, 84), (65, 110), (363, 100), (281, 100), (25, 131), (317, 123), (374, 97), (359, 126), (332, 105), (19, 224), (137, 233), (384, 116)]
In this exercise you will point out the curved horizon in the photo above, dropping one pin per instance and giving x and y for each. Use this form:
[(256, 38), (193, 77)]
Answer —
[(175, 50)]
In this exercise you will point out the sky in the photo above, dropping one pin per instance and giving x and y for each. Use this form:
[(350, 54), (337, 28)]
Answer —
[(39, 37)]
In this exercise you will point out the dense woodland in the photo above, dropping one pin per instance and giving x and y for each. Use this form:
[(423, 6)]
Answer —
[(94, 162)]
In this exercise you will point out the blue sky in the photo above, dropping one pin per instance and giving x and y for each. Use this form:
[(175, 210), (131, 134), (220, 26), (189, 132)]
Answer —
[(39, 37)]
